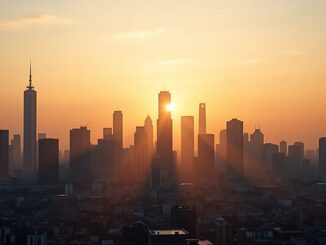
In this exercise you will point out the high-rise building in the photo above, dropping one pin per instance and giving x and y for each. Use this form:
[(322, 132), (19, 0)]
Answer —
[(202, 118), (150, 140), (48, 151), (118, 129), (16, 153), (220, 153), (234, 151), (80, 147), (141, 160), (187, 147), (322, 155), (107, 155), (255, 166), (29, 154), (206, 155), (164, 136), (269, 150), (284, 147), (4, 153), (295, 156)]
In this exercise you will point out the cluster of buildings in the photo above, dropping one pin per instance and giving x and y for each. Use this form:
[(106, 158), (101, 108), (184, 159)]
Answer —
[(239, 191)]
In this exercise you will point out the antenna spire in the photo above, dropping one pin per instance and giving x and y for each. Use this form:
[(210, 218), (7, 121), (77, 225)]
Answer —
[(30, 76)]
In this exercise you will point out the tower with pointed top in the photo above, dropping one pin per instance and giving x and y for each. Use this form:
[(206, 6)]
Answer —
[(29, 150)]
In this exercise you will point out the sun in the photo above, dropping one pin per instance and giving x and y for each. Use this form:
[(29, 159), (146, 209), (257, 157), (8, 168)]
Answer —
[(169, 107)]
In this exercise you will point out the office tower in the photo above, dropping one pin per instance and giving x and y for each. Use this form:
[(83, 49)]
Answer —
[(322, 155), (16, 152), (255, 167), (118, 129), (4, 153), (284, 147), (149, 133), (80, 146), (223, 232), (300, 146), (246, 153), (141, 160), (107, 155), (278, 164), (310, 154), (202, 118), (220, 154), (155, 173), (164, 135), (295, 156), (107, 133), (29, 150), (187, 147), (184, 217), (206, 156), (48, 150), (269, 150), (234, 150)]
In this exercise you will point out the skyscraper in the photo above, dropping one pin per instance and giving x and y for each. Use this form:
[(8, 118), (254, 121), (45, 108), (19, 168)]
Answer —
[(107, 157), (322, 155), (16, 153), (4, 153), (164, 135), (202, 118), (80, 147), (206, 155), (141, 160), (220, 153), (255, 166), (187, 147), (234, 150), (48, 160), (149, 134), (118, 129), (284, 147), (30, 129)]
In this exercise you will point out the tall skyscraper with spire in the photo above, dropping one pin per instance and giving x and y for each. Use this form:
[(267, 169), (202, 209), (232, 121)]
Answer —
[(29, 151), (202, 118)]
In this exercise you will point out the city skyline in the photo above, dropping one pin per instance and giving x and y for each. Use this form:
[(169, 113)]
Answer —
[(262, 62)]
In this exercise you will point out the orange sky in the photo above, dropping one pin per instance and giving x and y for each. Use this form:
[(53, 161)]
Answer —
[(260, 61)]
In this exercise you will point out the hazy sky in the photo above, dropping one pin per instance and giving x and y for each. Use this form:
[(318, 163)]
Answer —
[(262, 61)]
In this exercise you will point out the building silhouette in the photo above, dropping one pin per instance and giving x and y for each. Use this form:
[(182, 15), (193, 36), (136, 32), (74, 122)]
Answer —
[(206, 156), (256, 167), (164, 137), (284, 147), (16, 153), (4, 153), (269, 150), (278, 168), (150, 138), (141, 159), (29, 150), (107, 156), (202, 119), (322, 155), (220, 153), (80, 147), (48, 156), (295, 157), (187, 148), (118, 128), (234, 150)]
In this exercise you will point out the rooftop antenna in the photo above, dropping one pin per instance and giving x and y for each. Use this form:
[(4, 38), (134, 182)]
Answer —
[(30, 75)]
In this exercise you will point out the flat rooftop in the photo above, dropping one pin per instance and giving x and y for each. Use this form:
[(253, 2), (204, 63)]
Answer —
[(166, 232)]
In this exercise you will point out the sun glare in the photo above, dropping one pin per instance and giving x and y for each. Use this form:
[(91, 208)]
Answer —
[(169, 107)]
